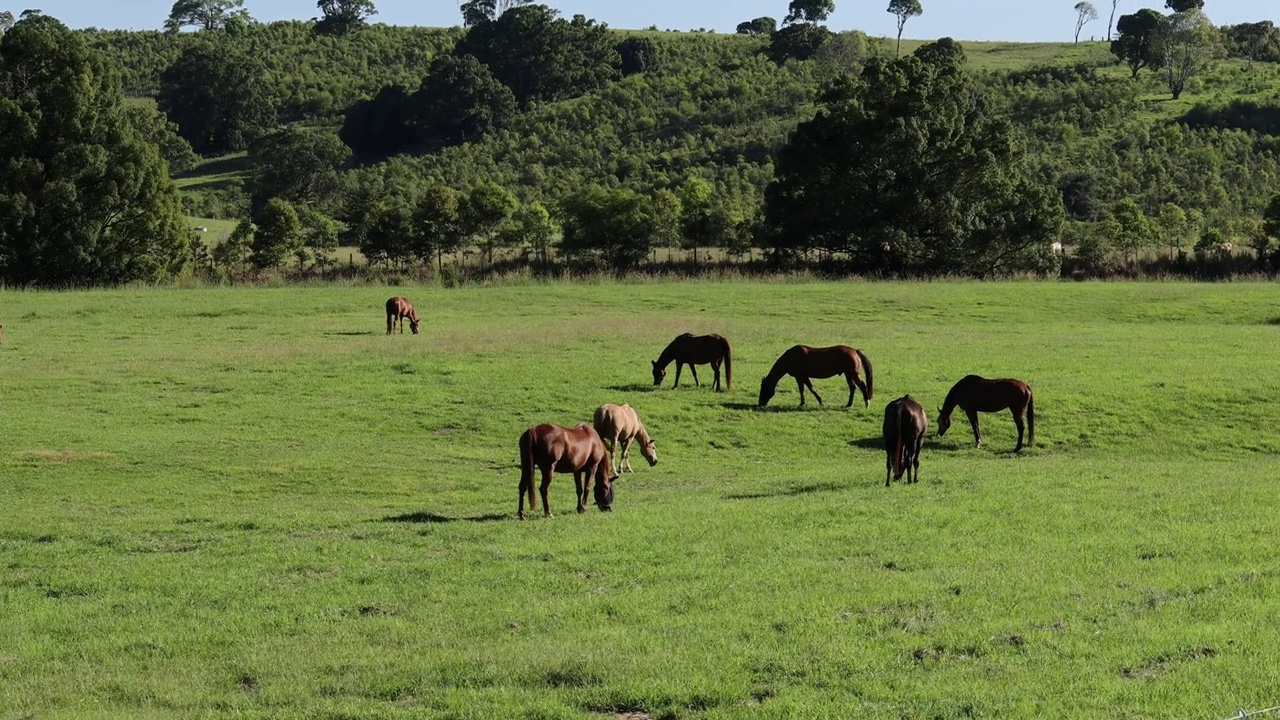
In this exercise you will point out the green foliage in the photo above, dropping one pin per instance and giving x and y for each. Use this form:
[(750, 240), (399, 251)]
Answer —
[(475, 12), (904, 10), (299, 165), (1135, 41), (1130, 230), (541, 57), (799, 41), (1186, 43), (205, 14), (483, 213), (277, 234), (156, 129), (809, 11), (6, 21), (908, 170), (460, 101), (762, 26), (216, 95), (84, 198), (381, 126), (439, 224), (615, 226), (638, 54), (1179, 6), (1253, 41), (339, 17), (530, 227)]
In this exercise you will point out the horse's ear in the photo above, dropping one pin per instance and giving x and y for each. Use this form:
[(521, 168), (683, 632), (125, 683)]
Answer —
[(654, 363)]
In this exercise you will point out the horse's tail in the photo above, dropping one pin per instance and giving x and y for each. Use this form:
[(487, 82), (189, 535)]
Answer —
[(899, 426), (866, 365), (526, 467), (728, 365), (1031, 418)]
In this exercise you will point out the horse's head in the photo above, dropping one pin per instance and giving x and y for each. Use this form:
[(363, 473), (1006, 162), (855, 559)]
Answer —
[(604, 494), (766, 391), (944, 422), (650, 452), (659, 373), (413, 325)]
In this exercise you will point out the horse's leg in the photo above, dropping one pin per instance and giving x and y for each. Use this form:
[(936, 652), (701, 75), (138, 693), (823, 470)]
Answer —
[(1017, 420), (862, 388), (694, 369), (715, 367), (679, 367), (973, 420), (800, 384), (582, 491), (625, 463), (915, 461), (542, 490), (850, 378), (809, 383)]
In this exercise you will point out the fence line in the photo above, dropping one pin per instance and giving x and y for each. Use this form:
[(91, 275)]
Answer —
[(1242, 714)]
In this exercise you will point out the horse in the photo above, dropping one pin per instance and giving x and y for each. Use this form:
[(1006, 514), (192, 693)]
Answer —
[(552, 449), (620, 424), (398, 309), (803, 362), (693, 350), (976, 394), (904, 427)]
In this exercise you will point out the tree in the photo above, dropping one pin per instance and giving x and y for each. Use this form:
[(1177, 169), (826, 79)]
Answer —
[(800, 41), (339, 17), (530, 227), (84, 199), (379, 126), (809, 11), (460, 101), (1111, 22), (231, 253), (908, 169), (475, 12), (1253, 41), (1174, 225), (1271, 218), (484, 211), (1135, 41), (616, 226), (156, 129), (277, 234), (438, 224), (319, 232), (204, 14), (763, 25), (6, 21), (1085, 13), (904, 10), (218, 96), (1130, 230), (542, 57), (1184, 5), (1186, 43), (297, 164), (638, 54)]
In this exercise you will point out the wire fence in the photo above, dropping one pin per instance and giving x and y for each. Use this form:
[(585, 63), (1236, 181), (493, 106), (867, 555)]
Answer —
[(1242, 713)]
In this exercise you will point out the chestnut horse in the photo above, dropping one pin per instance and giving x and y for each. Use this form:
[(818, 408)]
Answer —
[(552, 449), (398, 309), (620, 424), (904, 428), (803, 362), (693, 350), (974, 394)]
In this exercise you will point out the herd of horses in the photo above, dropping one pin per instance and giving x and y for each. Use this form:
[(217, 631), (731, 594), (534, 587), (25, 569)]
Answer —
[(582, 449)]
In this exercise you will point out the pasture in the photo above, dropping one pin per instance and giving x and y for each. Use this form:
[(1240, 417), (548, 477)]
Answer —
[(251, 502)]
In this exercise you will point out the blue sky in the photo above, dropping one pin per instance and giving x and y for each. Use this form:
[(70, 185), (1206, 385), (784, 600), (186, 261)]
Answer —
[(1020, 20)]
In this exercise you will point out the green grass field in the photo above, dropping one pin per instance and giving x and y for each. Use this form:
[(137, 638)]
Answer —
[(252, 503)]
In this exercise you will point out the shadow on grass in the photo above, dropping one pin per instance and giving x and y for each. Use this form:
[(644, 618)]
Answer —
[(930, 445), (793, 491), (1274, 321), (871, 443), (352, 332), (426, 517), (634, 387), (779, 408)]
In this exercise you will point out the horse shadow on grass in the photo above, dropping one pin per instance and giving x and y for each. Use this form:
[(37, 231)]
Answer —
[(774, 408), (426, 517), (634, 387), (350, 333), (792, 491)]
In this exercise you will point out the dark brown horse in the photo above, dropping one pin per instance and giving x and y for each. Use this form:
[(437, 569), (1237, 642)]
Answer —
[(553, 449), (693, 350), (398, 309), (904, 428), (974, 394), (803, 362)]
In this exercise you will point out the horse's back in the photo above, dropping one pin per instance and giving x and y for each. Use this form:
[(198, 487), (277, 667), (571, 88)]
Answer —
[(611, 419), (991, 394)]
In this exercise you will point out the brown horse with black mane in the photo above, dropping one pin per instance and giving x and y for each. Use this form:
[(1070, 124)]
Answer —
[(398, 309), (975, 394), (803, 362), (553, 449), (693, 350), (904, 427)]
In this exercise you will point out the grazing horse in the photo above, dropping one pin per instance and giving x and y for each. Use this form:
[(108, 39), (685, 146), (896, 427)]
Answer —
[(904, 428), (552, 449), (693, 350), (976, 394), (620, 424), (398, 309), (803, 362)]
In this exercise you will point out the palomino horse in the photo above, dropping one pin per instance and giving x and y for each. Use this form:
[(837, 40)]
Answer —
[(620, 424), (398, 309), (904, 428), (803, 362), (694, 350), (553, 449), (974, 394)]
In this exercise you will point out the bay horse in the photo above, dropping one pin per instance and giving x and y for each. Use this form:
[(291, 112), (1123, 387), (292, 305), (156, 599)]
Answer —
[(803, 362), (975, 394), (620, 424), (693, 350), (398, 309), (904, 427), (553, 449)]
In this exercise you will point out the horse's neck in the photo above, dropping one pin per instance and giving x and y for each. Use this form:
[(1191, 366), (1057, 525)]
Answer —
[(777, 371), (948, 405), (667, 356), (641, 433)]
